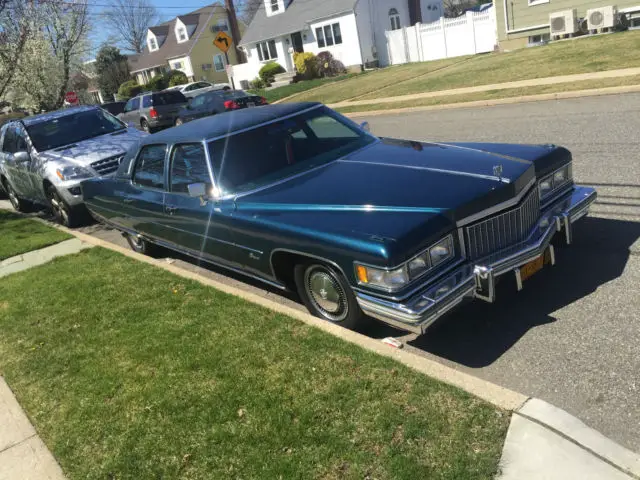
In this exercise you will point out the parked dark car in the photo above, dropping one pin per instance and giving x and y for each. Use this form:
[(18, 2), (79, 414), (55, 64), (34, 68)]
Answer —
[(114, 108), (153, 110), (302, 198), (218, 101)]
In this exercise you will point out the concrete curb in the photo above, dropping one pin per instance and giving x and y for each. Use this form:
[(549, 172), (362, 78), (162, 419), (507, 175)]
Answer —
[(595, 92)]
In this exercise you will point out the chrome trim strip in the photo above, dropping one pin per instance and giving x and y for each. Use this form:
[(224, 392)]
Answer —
[(435, 170), (496, 208), (303, 254)]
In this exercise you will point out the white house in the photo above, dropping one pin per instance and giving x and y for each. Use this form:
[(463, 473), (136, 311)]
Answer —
[(353, 31)]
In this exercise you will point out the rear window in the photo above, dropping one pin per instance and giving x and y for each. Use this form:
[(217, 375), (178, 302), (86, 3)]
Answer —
[(231, 94), (168, 98)]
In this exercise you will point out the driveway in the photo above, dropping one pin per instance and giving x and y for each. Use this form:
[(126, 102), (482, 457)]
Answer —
[(572, 336)]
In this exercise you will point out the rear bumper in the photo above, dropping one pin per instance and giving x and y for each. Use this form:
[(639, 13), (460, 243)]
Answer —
[(477, 280)]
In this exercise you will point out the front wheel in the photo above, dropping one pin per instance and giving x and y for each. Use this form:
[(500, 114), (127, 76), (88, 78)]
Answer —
[(62, 212), (179, 122), (326, 294)]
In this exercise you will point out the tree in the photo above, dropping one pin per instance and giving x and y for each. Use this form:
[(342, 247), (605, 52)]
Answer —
[(248, 8), (16, 25), (112, 70), (455, 8), (66, 29), (129, 20)]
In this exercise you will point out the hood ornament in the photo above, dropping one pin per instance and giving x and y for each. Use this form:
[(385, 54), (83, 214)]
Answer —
[(497, 171)]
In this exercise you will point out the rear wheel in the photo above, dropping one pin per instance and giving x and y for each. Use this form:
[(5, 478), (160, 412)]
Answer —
[(179, 122), (140, 245), (16, 202), (326, 293), (145, 125), (64, 214)]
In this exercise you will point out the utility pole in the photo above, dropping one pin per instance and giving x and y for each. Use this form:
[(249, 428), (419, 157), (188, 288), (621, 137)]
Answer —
[(235, 31)]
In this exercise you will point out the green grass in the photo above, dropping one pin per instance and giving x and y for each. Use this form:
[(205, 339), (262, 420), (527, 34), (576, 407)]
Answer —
[(374, 81), (19, 235), (279, 93), (496, 94), (130, 372), (599, 53)]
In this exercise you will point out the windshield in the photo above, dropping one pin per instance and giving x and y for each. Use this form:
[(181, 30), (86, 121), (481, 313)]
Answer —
[(278, 150), (72, 128)]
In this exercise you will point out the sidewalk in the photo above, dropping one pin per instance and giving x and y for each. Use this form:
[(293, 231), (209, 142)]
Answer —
[(536, 82)]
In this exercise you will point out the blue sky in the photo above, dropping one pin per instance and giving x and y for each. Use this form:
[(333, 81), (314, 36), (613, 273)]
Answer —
[(167, 9)]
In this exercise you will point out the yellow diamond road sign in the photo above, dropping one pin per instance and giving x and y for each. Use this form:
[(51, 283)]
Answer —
[(223, 41)]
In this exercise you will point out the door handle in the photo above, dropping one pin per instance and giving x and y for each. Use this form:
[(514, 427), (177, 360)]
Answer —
[(171, 210), (127, 200)]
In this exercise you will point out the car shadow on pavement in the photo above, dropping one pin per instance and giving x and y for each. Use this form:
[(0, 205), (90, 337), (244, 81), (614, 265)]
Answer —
[(477, 334)]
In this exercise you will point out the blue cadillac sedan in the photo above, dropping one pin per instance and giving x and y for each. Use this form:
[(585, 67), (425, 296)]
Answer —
[(302, 198)]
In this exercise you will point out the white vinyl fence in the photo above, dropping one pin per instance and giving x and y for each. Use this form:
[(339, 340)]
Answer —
[(474, 32)]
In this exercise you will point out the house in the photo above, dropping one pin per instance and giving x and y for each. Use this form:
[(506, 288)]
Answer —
[(353, 31), (527, 22), (185, 43)]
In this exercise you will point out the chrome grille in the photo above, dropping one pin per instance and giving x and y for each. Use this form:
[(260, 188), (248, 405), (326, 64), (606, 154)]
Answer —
[(503, 230), (107, 165)]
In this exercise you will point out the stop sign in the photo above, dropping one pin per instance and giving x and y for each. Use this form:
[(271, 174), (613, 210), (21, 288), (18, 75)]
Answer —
[(71, 97)]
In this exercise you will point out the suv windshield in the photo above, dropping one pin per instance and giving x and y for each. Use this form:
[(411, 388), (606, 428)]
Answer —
[(283, 148), (168, 98), (72, 128)]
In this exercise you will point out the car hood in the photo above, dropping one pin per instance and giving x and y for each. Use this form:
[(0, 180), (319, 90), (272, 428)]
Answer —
[(399, 192), (88, 151)]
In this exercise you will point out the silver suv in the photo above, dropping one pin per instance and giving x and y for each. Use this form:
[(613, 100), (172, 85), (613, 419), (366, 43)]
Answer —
[(43, 158)]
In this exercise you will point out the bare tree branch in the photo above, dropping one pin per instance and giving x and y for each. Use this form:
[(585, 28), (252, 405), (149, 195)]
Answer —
[(129, 20), (15, 28)]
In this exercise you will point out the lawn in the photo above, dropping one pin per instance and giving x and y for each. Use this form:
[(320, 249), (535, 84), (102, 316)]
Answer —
[(496, 94), (160, 377), (19, 235), (279, 93), (598, 53)]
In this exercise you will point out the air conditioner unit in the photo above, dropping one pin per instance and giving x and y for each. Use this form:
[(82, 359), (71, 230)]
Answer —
[(563, 23), (603, 17)]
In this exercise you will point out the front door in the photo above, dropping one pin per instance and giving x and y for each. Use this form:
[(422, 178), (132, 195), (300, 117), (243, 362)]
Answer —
[(296, 41)]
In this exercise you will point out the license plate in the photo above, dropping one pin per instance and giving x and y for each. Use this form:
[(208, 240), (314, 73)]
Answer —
[(534, 266), (251, 104)]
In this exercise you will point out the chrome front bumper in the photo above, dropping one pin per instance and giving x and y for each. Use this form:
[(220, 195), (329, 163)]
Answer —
[(417, 312)]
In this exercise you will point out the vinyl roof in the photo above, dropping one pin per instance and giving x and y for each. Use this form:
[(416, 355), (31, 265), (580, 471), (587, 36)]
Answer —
[(225, 123)]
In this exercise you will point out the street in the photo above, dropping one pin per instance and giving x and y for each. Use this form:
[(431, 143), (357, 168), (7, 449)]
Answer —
[(572, 336)]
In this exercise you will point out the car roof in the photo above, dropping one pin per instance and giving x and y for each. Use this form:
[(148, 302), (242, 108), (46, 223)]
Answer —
[(225, 123), (45, 117)]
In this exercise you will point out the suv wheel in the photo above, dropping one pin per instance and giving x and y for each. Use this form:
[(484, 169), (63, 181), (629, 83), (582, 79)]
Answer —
[(16, 202), (326, 294), (145, 125), (63, 213)]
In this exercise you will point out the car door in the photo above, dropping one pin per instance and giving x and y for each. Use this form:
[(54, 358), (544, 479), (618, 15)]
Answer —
[(201, 227), (143, 196), (31, 169), (198, 107), (130, 114)]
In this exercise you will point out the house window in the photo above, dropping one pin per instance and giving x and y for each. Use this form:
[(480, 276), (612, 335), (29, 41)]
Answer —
[(218, 62), (206, 66), (274, 6), (267, 50), (394, 16), (152, 44), (177, 65), (182, 34), (329, 35), (220, 27)]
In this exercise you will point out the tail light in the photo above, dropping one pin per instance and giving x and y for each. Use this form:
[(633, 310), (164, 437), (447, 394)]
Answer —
[(231, 105), (153, 113), (263, 101)]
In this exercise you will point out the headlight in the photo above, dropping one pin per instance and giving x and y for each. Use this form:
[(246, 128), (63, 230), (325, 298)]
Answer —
[(73, 173), (553, 182), (387, 279), (441, 251), (417, 266)]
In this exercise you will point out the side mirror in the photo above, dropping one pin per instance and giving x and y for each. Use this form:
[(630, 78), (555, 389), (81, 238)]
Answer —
[(21, 157), (365, 126), (198, 190)]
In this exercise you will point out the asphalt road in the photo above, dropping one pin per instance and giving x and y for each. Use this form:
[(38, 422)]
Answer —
[(572, 336)]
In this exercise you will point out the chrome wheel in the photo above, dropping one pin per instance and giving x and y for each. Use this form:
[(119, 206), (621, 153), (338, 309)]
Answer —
[(59, 207), (13, 198), (325, 293)]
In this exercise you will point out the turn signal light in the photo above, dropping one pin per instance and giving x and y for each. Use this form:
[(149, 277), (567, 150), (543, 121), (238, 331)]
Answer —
[(362, 274)]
